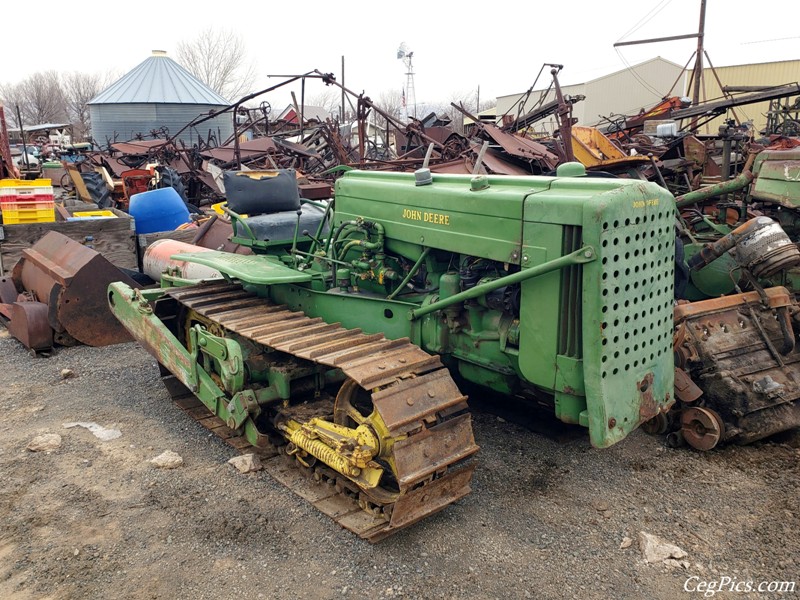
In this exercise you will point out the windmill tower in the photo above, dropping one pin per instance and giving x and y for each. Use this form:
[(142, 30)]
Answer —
[(409, 93)]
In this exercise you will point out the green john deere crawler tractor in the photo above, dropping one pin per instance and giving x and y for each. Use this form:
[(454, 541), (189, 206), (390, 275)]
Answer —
[(337, 341)]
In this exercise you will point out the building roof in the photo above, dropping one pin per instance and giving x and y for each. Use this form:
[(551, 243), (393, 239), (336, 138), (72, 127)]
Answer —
[(159, 80), (310, 113)]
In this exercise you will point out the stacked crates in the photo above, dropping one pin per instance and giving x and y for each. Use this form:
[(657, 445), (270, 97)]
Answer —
[(27, 201)]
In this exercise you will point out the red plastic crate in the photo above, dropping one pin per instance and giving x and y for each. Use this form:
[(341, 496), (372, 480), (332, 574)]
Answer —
[(26, 198)]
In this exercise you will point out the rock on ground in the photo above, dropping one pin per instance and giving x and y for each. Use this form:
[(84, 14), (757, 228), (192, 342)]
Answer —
[(44, 443), (655, 550), (167, 460), (246, 463)]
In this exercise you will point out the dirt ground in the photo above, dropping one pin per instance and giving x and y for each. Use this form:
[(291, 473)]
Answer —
[(546, 519)]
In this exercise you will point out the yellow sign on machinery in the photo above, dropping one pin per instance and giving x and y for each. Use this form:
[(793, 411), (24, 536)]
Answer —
[(426, 217)]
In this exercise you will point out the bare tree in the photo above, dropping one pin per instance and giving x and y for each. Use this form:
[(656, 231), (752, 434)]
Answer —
[(391, 102), (79, 88), (329, 98), (40, 99), (11, 96), (44, 98), (218, 58)]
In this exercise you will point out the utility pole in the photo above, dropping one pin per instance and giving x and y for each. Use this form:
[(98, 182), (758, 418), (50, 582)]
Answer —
[(698, 63)]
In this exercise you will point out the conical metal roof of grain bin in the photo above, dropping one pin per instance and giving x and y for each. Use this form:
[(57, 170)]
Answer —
[(158, 93)]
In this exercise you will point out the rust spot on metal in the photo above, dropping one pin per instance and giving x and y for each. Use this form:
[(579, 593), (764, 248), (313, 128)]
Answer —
[(648, 406)]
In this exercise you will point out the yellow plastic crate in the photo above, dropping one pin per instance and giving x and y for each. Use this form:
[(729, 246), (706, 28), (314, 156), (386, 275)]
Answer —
[(15, 183), (94, 213)]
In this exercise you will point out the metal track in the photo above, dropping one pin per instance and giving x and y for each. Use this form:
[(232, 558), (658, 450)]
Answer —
[(410, 389)]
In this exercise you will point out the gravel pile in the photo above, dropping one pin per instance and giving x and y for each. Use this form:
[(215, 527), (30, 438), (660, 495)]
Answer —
[(547, 516)]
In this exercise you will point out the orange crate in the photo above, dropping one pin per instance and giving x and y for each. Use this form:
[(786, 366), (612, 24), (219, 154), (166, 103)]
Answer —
[(14, 213)]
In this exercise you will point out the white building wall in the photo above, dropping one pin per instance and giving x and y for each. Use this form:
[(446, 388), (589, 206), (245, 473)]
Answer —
[(623, 92)]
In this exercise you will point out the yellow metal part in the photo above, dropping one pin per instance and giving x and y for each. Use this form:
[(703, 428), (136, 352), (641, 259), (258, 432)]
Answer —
[(345, 412), (593, 149), (346, 450)]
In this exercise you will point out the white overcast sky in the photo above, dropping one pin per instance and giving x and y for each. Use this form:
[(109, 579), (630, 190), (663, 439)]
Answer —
[(458, 46)]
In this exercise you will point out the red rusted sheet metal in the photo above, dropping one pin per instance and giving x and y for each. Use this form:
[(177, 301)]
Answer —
[(315, 191), (28, 323), (71, 280), (495, 164), (521, 147), (8, 291), (250, 149), (139, 147)]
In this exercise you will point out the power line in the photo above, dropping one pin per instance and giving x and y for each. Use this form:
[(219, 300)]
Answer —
[(638, 77), (795, 37), (646, 19)]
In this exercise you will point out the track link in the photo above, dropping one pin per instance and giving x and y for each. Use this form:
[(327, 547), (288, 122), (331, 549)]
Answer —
[(412, 391)]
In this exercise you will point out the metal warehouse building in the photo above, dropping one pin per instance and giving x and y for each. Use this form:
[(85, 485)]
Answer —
[(748, 76), (644, 85), (157, 93), (626, 91)]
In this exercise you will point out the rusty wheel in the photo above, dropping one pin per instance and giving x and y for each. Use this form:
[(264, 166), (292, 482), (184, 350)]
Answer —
[(657, 425), (702, 428)]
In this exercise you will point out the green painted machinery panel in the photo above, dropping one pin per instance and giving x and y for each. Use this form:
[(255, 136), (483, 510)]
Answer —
[(446, 214), (616, 315), (248, 268), (777, 177)]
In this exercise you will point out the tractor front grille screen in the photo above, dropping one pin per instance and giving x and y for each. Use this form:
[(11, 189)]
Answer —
[(637, 275)]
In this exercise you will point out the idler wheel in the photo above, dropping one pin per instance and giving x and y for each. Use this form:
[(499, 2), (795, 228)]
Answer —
[(657, 425), (702, 428)]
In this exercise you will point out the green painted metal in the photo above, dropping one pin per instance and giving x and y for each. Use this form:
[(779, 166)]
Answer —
[(496, 280), (135, 310), (445, 215), (712, 191), (614, 314), (627, 309), (580, 256), (777, 177), (253, 269), (716, 279), (226, 354)]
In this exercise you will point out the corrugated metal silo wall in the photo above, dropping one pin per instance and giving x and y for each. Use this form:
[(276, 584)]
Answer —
[(123, 122), (774, 73)]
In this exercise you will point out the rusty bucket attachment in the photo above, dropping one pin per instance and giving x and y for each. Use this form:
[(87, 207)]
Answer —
[(27, 321), (71, 280)]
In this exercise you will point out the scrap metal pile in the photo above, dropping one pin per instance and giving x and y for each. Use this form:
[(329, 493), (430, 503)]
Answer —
[(659, 144)]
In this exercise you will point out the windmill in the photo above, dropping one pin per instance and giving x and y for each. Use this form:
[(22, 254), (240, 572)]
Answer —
[(409, 94)]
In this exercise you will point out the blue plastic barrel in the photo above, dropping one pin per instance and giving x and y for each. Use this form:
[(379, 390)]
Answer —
[(158, 210)]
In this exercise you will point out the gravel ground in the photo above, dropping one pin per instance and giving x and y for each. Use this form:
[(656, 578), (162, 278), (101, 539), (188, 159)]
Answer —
[(547, 516)]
